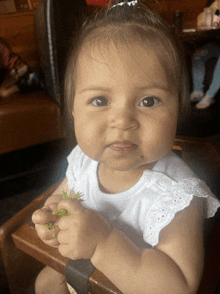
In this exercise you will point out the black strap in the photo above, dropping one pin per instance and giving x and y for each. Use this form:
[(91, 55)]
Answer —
[(77, 274)]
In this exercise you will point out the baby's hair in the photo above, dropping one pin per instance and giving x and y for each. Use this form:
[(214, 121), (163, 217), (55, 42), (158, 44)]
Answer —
[(124, 23)]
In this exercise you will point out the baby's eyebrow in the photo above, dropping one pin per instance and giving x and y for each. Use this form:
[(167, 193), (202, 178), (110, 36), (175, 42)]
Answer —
[(94, 88), (155, 86), (142, 88)]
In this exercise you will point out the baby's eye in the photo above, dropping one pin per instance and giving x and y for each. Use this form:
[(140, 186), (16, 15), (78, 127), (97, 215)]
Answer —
[(149, 101), (100, 101)]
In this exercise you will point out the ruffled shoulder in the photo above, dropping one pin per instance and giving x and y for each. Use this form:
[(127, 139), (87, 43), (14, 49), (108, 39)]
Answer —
[(75, 162), (174, 197)]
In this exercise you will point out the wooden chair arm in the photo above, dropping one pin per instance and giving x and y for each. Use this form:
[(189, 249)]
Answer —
[(23, 235), (27, 240), (20, 268)]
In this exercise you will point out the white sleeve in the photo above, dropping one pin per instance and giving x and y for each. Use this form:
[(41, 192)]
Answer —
[(172, 200), (74, 160)]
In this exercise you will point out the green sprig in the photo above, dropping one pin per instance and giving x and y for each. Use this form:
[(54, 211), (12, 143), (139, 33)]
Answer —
[(49, 226), (77, 196), (63, 212), (64, 196)]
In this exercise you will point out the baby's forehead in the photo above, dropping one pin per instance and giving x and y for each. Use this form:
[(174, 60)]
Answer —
[(110, 52), (140, 66), (126, 39), (104, 50)]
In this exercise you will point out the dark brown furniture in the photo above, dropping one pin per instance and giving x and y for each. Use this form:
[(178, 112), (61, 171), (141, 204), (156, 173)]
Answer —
[(33, 134), (24, 254), (36, 118), (27, 120)]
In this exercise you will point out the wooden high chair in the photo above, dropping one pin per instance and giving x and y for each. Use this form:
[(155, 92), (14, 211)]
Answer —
[(24, 254)]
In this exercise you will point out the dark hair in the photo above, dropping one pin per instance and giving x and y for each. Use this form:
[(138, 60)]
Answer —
[(121, 23)]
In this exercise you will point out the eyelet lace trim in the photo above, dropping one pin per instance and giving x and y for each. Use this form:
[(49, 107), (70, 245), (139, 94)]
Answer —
[(176, 197), (72, 171), (71, 178)]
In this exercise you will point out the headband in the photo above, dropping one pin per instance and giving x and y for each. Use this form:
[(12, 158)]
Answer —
[(130, 3)]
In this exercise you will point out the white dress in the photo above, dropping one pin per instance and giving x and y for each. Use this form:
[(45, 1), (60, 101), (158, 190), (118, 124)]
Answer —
[(146, 208)]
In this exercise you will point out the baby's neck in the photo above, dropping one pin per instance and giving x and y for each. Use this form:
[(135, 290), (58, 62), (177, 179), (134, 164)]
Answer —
[(113, 182)]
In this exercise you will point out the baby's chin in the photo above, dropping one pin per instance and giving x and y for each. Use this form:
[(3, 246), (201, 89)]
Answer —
[(127, 167), (128, 162)]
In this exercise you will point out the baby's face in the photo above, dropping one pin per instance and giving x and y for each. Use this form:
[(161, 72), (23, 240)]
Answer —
[(125, 110)]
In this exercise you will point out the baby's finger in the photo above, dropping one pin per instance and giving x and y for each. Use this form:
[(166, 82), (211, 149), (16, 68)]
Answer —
[(72, 205), (53, 242), (63, 237), (51, 206), (63, 249), (43, 216), (47, 233)]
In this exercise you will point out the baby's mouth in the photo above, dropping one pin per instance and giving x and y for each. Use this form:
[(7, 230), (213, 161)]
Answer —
[(123, 147)]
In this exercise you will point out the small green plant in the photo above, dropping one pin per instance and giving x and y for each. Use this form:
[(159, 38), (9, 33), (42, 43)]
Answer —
[(62, 212), (77, 196), (49, 226), (64, 196)]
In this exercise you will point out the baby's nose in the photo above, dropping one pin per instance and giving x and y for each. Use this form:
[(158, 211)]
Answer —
[(124, 119)]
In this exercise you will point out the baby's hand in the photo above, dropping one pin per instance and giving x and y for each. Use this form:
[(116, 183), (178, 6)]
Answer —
[(45, 221), (81, 231)]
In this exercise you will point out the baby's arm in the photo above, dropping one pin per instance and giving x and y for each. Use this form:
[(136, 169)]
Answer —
[(44, 219), (173, 266)]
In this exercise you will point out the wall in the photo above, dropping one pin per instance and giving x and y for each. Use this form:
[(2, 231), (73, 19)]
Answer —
[(190, 8), (16, 23), (18, 30), (7, 6), (21, 23)]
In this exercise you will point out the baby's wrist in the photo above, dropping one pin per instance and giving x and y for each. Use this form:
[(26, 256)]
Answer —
[(107, 246), (118, 247)]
